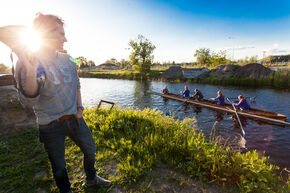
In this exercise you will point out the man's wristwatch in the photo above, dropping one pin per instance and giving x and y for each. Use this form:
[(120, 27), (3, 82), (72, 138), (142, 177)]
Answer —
[(81, 107)]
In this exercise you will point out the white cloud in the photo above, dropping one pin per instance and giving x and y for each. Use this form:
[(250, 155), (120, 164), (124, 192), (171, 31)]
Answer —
[(278, 51), (240, 47), (274, 50)]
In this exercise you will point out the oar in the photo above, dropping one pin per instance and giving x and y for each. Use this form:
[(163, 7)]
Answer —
[(157, 93), (152, 92), (244, 134), (168, 113)]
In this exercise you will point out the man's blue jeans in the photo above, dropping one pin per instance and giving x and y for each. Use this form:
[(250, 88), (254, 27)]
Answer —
[(53, 136)]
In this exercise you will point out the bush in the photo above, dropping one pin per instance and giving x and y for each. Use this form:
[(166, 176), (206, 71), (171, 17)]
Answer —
[(141, 139)]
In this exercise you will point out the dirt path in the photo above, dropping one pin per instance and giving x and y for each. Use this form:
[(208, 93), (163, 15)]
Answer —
[(13, 116)]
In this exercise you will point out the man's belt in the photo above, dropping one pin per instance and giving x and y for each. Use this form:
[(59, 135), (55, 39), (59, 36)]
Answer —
[(65, 117)]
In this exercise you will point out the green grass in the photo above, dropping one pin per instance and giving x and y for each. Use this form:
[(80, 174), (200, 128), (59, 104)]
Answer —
[(130, 144), (121, 74), (21, 157)]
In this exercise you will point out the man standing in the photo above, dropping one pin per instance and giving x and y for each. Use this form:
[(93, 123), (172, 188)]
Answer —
[(48, 81)]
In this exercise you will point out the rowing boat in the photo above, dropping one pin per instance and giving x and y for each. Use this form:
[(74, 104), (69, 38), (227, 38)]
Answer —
[(253, 113)]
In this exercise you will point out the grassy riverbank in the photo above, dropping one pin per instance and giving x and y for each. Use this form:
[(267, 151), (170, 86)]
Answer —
[(279, 79), (131, 145), (121, 74)]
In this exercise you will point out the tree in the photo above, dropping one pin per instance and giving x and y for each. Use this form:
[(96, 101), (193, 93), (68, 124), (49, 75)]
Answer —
[(112, 60), (85, 63), (218, 58), (63, 51), (202, 56), (141, 56), (269, 59), (4, 69), (253, 59), (124, 63), (91, 63), (213, 59)]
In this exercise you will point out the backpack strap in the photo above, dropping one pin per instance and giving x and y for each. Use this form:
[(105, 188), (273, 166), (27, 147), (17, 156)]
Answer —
[(13, 70)]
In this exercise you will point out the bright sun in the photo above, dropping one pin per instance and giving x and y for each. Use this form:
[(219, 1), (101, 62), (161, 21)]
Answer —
[(31, 39)]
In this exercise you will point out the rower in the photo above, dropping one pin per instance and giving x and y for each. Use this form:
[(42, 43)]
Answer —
[(197, 95), (165, 90), (220, 99), (242, 103), (186, 92)]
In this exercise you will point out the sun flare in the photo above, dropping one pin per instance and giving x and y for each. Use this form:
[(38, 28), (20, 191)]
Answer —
[(31, 39)]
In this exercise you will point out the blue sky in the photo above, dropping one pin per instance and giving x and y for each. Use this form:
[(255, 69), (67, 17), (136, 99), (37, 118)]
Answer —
[(100, 30)]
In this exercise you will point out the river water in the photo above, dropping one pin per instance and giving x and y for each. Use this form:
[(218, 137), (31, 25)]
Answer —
[(273, 141)]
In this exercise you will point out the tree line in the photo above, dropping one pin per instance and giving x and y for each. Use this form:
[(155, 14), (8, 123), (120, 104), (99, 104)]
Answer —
[(141, 58)]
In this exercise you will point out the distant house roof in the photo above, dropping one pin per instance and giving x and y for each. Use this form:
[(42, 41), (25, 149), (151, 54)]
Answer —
[(108, 66), (90, 68)]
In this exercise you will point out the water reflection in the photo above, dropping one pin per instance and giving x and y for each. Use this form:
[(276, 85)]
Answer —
[(196, 109), (236, 121), (165, 100), (219, 116)]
